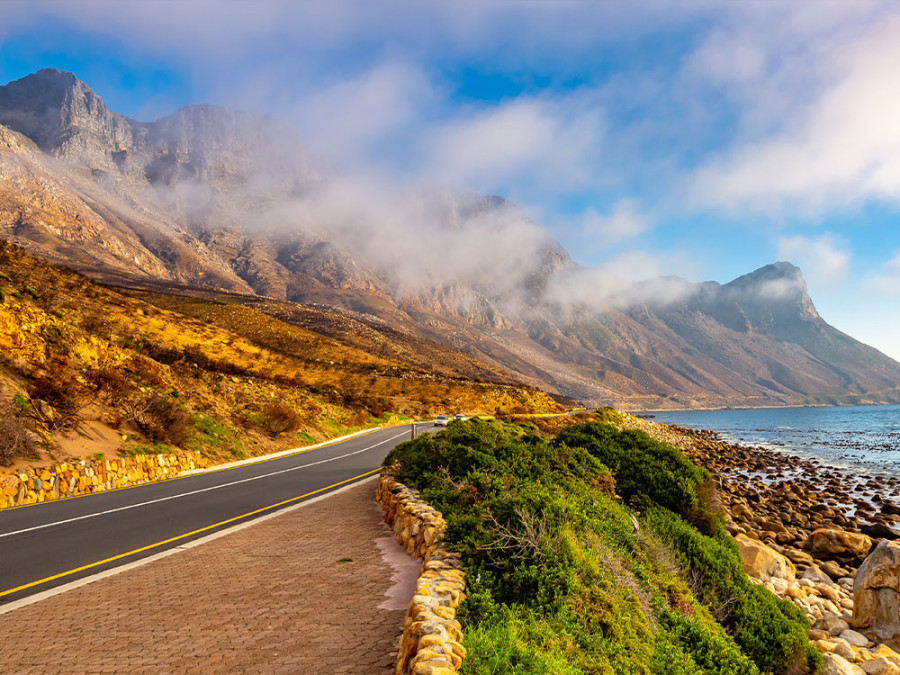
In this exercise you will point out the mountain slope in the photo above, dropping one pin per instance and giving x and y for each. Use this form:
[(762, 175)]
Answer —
[(212, 198)]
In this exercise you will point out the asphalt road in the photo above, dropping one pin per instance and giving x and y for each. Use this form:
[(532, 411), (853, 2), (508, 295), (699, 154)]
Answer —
[(54, 543)]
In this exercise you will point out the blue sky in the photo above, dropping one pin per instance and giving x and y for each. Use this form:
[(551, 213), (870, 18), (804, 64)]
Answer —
[(698, 139)]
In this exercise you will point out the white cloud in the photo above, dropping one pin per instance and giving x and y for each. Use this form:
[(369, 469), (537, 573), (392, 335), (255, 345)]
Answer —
[(625, 221), (533, 141), (836, 142), (824, 260), (351, 117)]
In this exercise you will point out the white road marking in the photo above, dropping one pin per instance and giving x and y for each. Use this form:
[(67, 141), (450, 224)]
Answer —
[(194, 492), (78, 583)]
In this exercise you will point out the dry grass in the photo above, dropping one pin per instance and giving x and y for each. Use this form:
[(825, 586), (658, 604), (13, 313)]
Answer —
[(148, 365)]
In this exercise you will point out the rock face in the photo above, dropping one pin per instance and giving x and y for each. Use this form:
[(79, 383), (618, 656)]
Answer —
[(876, 593), (763, 562), (839, 544)]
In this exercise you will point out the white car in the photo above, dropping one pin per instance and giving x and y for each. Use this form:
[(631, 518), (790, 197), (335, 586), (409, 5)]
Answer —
[(460, 418), (441, 421)]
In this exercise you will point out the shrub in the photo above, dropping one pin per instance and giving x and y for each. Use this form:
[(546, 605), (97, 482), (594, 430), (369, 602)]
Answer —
[(110, 382), (278, 418), (163, 421), (15, 439), (647, 471), (769, 630), (563, 578), (58, 385)]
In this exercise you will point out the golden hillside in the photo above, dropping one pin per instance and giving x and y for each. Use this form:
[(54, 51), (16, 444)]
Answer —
[(87, 369)]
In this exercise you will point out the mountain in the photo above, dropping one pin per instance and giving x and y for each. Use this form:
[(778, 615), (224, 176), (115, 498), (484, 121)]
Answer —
[(233, 201)]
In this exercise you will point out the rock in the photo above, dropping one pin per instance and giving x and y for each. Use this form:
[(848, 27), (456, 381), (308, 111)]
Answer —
[(829, 542), (880, 666), (880, 531), (742, 511), (815, 574), (885, 652), (762, 562), (876, 592), (838, 665), (833, 570), (854, 638), (832, 624), (843, 649)]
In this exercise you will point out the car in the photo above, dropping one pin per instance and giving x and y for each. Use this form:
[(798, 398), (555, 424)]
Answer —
[(441, 421), (460, 417)]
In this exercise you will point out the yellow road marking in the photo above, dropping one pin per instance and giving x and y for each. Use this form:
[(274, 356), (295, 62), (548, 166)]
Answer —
[(183, 536)]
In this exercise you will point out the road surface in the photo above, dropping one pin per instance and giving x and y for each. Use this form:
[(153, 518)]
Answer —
[(54, 543)]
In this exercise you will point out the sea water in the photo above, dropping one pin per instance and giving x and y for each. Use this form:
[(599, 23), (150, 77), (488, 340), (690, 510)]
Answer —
[(863, 440)]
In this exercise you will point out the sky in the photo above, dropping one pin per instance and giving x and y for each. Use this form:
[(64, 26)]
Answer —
[(696, 139)]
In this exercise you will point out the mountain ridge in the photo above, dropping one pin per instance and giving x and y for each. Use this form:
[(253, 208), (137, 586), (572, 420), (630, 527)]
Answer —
[(215, 198)]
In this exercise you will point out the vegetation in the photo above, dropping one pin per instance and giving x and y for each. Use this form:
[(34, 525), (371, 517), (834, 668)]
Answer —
[(583, 555), (206, 373)]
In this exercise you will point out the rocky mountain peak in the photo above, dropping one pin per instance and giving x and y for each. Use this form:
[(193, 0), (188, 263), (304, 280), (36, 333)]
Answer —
[(62, 115), (773, 299)]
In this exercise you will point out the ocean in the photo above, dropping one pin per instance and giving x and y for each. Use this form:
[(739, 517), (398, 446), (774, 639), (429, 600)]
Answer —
[(860, 440)]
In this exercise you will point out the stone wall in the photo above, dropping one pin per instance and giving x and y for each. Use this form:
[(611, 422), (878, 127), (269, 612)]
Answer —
[(32, 485), (432, 637)]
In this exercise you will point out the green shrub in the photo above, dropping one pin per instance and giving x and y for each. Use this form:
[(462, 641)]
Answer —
[(22, 402), (5, 276), (560, 576), (769, 630), (647, 471)]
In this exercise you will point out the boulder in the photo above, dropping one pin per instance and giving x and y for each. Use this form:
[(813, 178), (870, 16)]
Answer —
[(880, 666), (854, 638), (763, 562), (815, 574), (876, 593), (828, 542), (838, 665), (831, 624), (880, 531)]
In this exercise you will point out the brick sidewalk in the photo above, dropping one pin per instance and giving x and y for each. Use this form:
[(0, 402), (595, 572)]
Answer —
[(271, 598)]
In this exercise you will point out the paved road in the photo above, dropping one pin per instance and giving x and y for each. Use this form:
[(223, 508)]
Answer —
[(54, 543)]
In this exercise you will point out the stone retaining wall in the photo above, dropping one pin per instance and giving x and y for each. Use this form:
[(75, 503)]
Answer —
[(85, 476), (432, 637)]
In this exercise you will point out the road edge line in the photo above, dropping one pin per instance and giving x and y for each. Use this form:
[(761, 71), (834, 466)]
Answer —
[(78, 583)]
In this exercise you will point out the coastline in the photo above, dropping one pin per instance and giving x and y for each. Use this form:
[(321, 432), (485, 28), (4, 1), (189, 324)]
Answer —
[(818, 523), (652, 411)]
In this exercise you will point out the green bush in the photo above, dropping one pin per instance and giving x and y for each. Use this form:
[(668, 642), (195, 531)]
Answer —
[(647, 471), (769, 630), (562, 578)]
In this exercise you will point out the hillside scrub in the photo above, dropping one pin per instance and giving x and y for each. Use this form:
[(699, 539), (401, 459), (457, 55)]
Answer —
[(79, 352), (582, 555)]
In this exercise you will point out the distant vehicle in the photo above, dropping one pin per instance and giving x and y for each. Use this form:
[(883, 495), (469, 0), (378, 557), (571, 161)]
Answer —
[(460, 417), (441, 421)]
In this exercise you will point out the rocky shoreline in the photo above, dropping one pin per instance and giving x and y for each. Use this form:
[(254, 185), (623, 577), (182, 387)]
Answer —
[(824, 539)]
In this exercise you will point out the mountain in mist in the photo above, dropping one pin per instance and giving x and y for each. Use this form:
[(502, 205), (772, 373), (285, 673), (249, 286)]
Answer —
[(211, 197)]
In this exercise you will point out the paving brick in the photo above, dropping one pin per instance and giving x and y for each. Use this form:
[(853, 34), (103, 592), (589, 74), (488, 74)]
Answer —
[(271, 598)]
